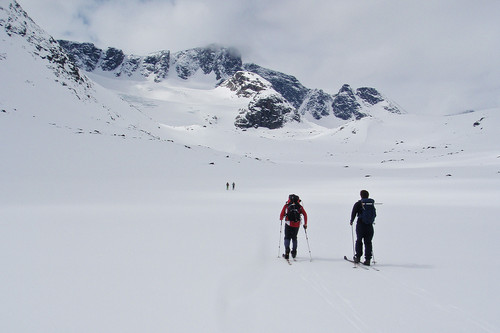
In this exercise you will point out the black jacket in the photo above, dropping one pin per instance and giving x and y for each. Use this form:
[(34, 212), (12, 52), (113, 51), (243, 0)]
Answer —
[(358, 208)]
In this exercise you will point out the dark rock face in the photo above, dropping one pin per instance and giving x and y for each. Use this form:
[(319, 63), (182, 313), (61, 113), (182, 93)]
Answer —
[(271, 111), (85, 55), (112, 59), (369, 95), (345, 105)]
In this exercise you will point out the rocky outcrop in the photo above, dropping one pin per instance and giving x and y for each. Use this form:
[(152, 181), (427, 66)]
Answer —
[(266, 108), (269, 110)]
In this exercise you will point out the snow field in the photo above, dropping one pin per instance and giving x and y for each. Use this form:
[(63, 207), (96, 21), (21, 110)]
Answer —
[(138, 235)]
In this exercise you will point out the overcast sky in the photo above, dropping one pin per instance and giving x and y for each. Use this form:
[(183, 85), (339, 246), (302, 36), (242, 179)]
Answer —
[(429, 56)]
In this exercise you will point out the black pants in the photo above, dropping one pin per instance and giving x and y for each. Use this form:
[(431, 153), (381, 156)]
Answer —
[(291, 235), (364, 233)]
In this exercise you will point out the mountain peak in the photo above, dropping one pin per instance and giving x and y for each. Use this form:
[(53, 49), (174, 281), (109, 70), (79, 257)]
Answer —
[(346, 89)]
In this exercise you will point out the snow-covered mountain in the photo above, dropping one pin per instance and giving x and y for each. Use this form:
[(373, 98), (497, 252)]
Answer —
[(223, 64), (39, 79), (115, 217)]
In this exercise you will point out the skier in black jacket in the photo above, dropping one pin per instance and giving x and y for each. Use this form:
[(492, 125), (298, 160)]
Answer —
[(364, 209)]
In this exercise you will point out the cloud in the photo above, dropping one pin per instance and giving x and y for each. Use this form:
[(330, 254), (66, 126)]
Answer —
[(429, 56)]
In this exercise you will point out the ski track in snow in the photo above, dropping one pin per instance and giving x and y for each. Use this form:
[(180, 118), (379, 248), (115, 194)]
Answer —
[(336, 302), (448, 310), (341, 304)]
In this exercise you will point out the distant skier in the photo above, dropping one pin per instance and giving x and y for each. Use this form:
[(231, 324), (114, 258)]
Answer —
[(292, 212), (234, 185), (227, 186), (364, 209)]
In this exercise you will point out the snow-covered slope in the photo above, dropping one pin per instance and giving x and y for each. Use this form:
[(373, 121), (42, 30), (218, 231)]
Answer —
[(117, 219)]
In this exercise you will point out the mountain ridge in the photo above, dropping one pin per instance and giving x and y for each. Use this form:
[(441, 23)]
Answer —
[(224, 63)]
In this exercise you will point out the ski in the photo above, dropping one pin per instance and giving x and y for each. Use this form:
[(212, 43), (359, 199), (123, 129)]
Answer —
[(356, 264), (350, 260), (288, 260), (370, 266), (374, 268), (360, 264)]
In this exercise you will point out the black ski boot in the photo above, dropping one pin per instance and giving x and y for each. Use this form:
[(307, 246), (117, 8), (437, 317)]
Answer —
[(294, 253), (356, 259), (367, 262), (286, 255)]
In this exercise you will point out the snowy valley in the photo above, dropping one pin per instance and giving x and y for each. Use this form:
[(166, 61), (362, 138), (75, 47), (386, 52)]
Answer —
[(115, 216)]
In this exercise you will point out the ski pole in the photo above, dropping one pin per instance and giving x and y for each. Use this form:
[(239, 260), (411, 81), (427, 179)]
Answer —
[(352, 236), (279, 241), (353, 250), (308, 247)]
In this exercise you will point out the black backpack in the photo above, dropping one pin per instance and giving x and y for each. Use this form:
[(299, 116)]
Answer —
[(368, 212), (293, 209)]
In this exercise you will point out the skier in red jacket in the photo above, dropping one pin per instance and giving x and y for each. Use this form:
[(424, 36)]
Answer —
[(292, 212)]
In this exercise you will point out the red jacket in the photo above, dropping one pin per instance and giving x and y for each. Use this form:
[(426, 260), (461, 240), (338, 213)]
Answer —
[(293, 224)]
